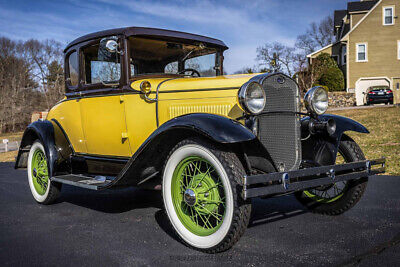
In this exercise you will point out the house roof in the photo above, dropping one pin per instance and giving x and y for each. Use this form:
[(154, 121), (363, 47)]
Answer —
[(150, 32), (338, 17), (360, 6), (376, 3), (319, 50)]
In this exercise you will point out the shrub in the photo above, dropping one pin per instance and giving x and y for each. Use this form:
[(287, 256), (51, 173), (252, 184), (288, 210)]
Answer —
[(333, 79), (329, 73)]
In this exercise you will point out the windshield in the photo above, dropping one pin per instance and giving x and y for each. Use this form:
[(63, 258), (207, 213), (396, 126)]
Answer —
[(149, 56)]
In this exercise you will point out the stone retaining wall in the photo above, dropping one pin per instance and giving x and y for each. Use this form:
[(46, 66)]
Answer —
[(341, 99)]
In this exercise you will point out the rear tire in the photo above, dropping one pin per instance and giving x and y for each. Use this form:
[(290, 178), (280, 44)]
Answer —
[(43, 190), (352, 192), (210, 175)]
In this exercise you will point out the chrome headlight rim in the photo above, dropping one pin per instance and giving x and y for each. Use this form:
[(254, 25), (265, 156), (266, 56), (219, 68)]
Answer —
[(244, 101), (310, 100)]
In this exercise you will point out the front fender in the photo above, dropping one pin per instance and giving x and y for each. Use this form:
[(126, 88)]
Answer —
[(214, 127), (218, 128), (344, 124), (321, 149)]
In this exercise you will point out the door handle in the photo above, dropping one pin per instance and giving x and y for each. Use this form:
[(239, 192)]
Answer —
[(121, 99)]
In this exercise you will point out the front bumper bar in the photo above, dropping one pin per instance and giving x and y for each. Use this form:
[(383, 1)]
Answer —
[(284, 182)]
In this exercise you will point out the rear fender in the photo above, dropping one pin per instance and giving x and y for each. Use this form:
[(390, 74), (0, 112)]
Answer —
[(55, 143)]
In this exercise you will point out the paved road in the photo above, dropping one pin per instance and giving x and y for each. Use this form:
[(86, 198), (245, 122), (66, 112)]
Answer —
[(129, 227)]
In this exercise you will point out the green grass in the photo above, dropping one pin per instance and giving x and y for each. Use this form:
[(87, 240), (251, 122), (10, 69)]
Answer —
[(384, 138), (11, 136)]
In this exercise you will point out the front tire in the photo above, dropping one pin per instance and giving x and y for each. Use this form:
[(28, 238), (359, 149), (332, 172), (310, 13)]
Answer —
[(200, 183), (341, 197), (43, 190)]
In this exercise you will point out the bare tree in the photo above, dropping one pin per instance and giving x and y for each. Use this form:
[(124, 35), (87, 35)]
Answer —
[(41, 56), (276, 56), (316, 36), (31, 78)]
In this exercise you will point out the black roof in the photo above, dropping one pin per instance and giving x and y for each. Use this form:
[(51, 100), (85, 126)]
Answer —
[(151, 32), (360, 6), (338, 16)]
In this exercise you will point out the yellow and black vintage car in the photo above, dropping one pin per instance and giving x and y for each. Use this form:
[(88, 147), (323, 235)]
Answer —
[(152, 108)]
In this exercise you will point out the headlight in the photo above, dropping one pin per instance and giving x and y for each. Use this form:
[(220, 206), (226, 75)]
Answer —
[(252, 98), (316, 100)]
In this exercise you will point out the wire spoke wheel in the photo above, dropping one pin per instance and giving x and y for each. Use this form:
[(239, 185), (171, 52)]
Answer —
[(329, 193), (39, 172), (198, 196)]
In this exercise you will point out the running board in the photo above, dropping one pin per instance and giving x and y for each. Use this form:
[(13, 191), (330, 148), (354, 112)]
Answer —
[(93, 183)]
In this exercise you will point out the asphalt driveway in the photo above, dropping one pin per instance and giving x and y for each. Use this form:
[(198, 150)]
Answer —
[(129, 227)]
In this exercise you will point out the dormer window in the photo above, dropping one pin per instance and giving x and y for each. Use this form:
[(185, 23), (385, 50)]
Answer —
[(388, 15)]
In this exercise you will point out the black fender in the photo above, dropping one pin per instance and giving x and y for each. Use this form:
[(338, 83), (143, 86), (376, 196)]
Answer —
[(321, 149), (217, 128), (344, 124), (55, 143)]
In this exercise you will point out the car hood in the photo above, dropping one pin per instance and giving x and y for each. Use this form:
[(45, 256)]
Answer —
[(172, 84)]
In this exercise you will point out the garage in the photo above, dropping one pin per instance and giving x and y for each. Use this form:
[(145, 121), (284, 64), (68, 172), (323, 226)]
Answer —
[(364, 83)]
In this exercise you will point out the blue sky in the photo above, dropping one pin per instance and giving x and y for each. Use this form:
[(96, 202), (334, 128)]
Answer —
[(242, 25)]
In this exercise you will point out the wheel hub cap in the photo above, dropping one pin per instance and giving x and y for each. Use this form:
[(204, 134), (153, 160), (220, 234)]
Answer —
[(190, 197)]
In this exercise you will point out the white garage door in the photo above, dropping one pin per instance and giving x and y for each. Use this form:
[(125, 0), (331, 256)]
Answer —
[(364, 83)]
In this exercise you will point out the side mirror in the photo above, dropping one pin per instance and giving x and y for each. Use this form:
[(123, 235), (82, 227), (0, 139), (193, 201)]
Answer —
[(112, 46)]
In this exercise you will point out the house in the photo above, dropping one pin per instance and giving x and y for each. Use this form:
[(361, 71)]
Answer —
[(367, 46)]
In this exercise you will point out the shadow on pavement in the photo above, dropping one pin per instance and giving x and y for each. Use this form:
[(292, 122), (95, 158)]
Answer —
[(112, 200)]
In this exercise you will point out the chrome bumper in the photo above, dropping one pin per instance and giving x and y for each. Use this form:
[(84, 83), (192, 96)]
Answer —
[(298, 180)]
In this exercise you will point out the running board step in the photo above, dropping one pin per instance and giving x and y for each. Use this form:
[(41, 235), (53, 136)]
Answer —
[(93, 183)]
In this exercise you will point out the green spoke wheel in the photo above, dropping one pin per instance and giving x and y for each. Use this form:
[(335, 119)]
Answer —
[(200, 181), (43, 190), (198, 196), (40, 176), (339, 197)]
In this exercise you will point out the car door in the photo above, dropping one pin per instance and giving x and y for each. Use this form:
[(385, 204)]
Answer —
[(102, 107)]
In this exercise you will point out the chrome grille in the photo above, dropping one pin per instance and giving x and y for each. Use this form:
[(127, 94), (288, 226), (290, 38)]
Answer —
[(280, 132)]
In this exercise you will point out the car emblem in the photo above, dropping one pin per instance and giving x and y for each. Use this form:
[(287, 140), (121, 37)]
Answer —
[(280, 80)]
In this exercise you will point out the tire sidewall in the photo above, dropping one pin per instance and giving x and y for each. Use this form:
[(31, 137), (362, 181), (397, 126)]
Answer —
[(39, 198), (202, 242)]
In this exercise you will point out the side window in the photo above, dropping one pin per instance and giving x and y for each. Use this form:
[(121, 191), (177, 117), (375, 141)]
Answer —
[(73, 68), (101, 65)]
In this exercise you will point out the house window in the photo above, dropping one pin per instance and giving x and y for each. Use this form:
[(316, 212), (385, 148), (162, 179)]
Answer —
[(362, 53), (388, 15), (398, 49), (344, 55)]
